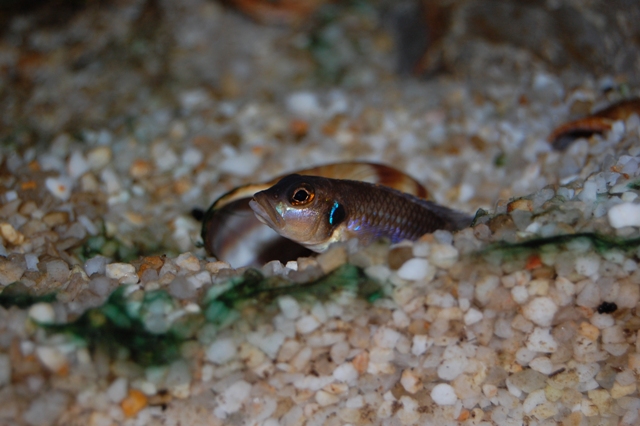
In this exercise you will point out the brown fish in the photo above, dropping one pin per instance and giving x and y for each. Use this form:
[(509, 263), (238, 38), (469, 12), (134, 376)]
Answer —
[(598, 122), (315, 211), (232, 232)]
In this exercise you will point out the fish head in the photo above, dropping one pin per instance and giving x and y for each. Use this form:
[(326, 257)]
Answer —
[(302, 209)]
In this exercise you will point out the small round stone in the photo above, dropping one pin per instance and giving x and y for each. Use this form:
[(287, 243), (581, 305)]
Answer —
[(414, 269), (443, 394)]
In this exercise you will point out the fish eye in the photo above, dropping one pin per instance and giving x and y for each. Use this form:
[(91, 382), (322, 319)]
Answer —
[(301, 195)]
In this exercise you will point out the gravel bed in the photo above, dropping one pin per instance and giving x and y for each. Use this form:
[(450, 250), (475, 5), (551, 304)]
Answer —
[(531, 316)]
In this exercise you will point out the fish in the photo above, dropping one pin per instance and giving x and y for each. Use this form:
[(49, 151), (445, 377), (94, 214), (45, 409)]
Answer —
[(599, 122), (232, 232), (316, 212)]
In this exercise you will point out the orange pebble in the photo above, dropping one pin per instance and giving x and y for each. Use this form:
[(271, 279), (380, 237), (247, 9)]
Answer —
[(34, 166), (361, 362), (533, 262), (150, 262), (464, 415), (30, 184), (133, 403), (299, 128)]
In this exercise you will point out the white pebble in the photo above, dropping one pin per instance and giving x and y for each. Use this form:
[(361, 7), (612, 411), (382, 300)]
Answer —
[(242, 164), (118, 390), (587, 265), (520, 294), (289, 307), (484, 288), (472, 316), (386, 337), (589, 296), (534, 399), (625, 214), (542, 365), (589, 192), (443, 255), (221, 351), (307, 324), (443, 394), (42, 313), (60, 187), (231, 399), (540, 340), (77, 165), (51, 357), (324, 398), (421, 343), (540, 311), (268, 343), (345, 373), (123, 272), (304, 104), (32, 261), (414, 269), (95, 265)]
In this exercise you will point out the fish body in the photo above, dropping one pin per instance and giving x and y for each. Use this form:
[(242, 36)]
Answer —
[(232, 232), (316, 211)]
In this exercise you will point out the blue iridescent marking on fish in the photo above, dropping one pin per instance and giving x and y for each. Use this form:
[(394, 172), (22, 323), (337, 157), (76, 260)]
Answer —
[(333, 211)]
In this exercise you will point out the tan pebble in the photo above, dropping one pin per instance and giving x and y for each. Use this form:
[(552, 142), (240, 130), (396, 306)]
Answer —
[(332, 259), (573, 419), (99, 157), (135, 218), (521, 204), (410, 381), (349, 415), (140, 169), (588, 408), (336, 388), (477, 414), (361, 362), (565, 380), (10, 272), (570, 397), (55, 218), (89, 183), (489, 390), (10, 234), (553, 394), (252, 356), (601, 398), (545, 410), (182, 185), (589, 331), (215, 267), (618, 390), (188, 261), (53, 359), (100, 419), (634, 363), (133, 403), (538, 287)]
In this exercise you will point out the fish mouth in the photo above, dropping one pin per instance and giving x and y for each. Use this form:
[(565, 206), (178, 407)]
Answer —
[(265, 212)]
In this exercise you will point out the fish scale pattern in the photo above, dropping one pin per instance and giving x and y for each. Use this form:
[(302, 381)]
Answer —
[(383, 212)]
